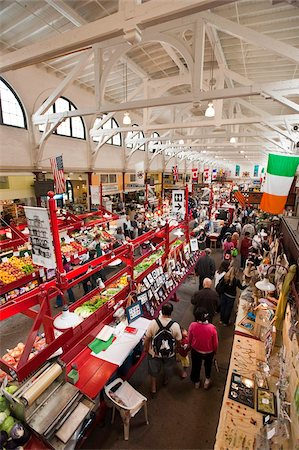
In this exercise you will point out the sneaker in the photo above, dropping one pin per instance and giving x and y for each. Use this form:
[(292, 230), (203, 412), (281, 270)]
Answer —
[(184, 374), (207, 383), (197, 385)]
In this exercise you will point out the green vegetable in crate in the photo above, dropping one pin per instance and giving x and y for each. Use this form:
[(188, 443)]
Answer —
[(11, 389), (4, 404), (8, 424), (3, 416)]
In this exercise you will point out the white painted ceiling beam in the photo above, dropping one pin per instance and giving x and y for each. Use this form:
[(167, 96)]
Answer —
[(58, 91), (103, 29), (67, 12), (171, 53), (199, 54), (283, 100), (251, 36)]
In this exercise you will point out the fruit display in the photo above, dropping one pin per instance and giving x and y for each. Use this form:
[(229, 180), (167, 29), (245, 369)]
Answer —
[(13, 434), (13, 355), (90, 306), (15, 268), (72, 248), (147, 262), (86, 238)]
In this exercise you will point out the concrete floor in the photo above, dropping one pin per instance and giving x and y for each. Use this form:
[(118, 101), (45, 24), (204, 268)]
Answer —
[(180, 417)]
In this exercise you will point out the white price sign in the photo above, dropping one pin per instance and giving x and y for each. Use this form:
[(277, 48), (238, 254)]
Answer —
[(178, 202)]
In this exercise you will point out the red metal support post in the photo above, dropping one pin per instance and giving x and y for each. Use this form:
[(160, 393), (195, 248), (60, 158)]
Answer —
[(101, 195), (187, 212), (62, 281), (146, 197)]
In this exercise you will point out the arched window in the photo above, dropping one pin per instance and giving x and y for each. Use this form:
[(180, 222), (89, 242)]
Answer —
[(135, 135), (111, 123), (11, 109), (73, 126), (154, 143)]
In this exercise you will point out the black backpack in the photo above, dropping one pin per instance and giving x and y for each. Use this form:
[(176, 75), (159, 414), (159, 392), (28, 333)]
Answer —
[(163, 341), (220, 288)]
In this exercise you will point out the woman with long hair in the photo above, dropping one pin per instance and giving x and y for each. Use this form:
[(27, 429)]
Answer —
[(229, 293), (222, 269)]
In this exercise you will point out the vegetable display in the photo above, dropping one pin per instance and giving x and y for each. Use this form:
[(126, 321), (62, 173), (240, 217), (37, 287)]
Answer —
[(147, 262), (13, 356), (90, 306), (13, 434)]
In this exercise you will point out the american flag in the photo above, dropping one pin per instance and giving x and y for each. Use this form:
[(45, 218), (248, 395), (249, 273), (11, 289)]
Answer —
[(175, 173), (58, 174)]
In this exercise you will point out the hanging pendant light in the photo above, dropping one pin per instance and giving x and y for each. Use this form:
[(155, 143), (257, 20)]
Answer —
[(126, 118), (210, 111), (233, 140), (67, 319)]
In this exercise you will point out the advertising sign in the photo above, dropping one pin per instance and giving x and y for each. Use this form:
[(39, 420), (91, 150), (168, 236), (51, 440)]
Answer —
[(40, 237)]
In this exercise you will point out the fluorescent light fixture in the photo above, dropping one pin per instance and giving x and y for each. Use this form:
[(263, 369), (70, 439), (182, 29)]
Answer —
[(210, 111), (127, 119)]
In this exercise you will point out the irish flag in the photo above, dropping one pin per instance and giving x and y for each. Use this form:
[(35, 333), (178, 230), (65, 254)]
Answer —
[(279, 177)]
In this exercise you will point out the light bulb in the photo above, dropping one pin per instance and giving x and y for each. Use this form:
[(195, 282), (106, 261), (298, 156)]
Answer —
[(210, 111), (181, 141), (127, 119), (241, 151), (233, 140)]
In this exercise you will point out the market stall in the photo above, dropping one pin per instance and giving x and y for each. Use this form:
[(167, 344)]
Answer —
[(259, 408), (74, 340)]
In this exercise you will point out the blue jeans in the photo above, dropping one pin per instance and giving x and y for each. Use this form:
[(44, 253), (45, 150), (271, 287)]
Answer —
[(226, 307), (70, 295)]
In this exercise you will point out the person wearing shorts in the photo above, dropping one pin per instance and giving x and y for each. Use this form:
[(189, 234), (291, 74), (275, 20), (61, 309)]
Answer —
[(157, 364)]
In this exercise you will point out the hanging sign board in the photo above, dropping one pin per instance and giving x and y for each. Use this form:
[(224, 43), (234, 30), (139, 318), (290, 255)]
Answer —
[(178, 202), (95, 195), (40, 236)]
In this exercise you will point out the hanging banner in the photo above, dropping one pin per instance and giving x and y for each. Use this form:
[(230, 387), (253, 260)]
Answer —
[(237, 171), (214, 174), (40, 237), (175, 174), (178, 202), (95, 195), (139, 170), (206, 175), (256, 170), (194, 175)]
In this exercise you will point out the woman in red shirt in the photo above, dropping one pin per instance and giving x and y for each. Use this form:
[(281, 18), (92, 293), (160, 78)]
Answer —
[(203, 341)]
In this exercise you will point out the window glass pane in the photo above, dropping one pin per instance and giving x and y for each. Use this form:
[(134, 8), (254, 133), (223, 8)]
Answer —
[(112, 178), (64, 128), (12, 113), (77, 127), (62, 105), (104, 178), (132, 177)]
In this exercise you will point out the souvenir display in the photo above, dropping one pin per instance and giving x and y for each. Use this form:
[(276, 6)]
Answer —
[(242, 390), (266, 402)]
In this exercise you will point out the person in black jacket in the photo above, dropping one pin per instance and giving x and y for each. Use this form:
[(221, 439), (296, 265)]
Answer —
[(206, 298), (205, 267), (229, 293)]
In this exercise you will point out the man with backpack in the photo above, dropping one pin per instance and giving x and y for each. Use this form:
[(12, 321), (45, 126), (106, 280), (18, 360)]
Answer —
[(161, 339)]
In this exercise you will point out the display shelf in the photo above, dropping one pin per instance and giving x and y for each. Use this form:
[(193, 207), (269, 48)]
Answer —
[(16, 240), (18, 283)]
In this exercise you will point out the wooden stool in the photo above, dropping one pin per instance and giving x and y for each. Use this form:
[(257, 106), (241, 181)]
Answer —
[(213, 242)]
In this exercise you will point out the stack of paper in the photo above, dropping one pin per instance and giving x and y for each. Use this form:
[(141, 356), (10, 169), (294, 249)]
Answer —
[(105, 333)]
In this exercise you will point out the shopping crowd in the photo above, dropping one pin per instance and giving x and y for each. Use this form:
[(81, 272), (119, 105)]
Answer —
[(244, 244)]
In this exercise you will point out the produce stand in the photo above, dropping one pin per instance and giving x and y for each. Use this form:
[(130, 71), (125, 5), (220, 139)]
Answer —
[(96, 309)]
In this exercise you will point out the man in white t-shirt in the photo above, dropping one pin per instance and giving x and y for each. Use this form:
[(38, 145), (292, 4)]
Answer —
[(161, 339)]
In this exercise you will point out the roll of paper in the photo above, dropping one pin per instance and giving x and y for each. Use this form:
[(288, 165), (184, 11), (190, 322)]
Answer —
[(42, 383)]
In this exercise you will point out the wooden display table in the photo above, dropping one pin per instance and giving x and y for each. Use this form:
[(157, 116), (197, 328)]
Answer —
[(239, 424)]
